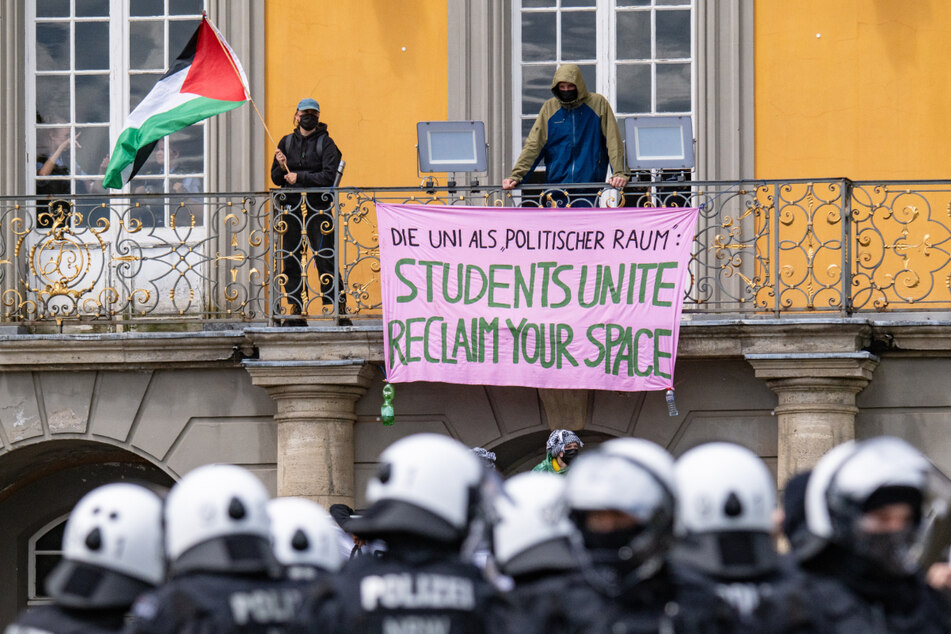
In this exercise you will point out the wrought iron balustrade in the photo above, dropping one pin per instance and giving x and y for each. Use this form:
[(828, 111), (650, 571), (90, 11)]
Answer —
[(762, 248)]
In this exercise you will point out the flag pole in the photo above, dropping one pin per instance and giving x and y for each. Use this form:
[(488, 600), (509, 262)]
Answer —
[(247, 92)]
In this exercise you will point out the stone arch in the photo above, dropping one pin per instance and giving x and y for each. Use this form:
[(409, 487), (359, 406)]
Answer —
[(41, 481)]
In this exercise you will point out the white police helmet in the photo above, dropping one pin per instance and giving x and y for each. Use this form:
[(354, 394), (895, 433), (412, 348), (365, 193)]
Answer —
[(531, 530), (216, 520), (304, 536), (112, 548), (726, 499), (623, 478), (851, 477), (426, 485)]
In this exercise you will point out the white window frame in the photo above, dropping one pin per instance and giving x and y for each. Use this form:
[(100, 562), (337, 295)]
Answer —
[(33, 595), (119, 81), (606, 59)]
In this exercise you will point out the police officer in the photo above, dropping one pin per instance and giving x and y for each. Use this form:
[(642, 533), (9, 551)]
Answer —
[(422, 499), (864, 506), (623, 499), (223, 575), (726, 499), (112, 552), (305, 539), (537, 546)]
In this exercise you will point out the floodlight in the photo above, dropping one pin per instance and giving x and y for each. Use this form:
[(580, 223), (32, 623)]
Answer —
[(451, 146), (659, 142)]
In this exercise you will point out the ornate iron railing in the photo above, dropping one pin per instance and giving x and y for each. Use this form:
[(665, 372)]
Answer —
[(762, 248)]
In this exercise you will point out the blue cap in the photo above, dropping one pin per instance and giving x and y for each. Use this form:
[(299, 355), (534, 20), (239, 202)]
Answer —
[(308, 104)]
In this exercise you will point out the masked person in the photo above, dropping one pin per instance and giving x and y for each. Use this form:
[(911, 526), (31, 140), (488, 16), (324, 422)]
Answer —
[(307, 157), (864, 505), (560, 451), (304, 538), (112, 552), (422, 499), (576, 135), (537, 546), (726, 499), (223, 576), (623, 499)]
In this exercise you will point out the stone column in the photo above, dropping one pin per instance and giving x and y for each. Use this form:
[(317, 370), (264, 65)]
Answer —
[(816, 409), (315, 415), (565, 409)]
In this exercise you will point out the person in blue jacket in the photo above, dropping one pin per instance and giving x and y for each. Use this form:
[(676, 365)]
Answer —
[(575, 134)]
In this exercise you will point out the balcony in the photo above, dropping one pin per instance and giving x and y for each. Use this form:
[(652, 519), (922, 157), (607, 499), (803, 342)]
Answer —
[(774, 249)]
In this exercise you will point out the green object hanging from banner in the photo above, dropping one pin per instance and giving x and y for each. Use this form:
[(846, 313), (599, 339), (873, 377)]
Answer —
[(387, 415)]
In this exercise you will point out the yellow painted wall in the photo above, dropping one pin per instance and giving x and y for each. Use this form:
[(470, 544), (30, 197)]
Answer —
[(349, 55), (853, 88)]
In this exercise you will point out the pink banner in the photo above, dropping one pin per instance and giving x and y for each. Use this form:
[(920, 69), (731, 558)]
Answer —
[(568, 298)]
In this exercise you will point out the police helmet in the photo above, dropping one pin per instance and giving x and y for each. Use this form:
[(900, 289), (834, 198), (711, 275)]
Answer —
[(857, 477), (216, 520), (426, 485), (726, 499), (626, 481), (112, 548), (531, 531), (304, 536)]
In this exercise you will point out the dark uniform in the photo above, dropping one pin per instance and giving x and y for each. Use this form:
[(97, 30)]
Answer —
[(420, 588), (59, 620), (848, 597), (667, 602), (214, 602), (549, 602)]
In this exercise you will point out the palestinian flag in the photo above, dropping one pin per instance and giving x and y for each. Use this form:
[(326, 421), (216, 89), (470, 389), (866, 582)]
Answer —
[(206, 79)]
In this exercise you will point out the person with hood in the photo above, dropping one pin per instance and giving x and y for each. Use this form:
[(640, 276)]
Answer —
[(562, 447), (307, 157), (575, 134)]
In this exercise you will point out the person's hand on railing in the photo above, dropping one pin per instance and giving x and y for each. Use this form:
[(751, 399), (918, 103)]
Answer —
[(618, 182), (509, 183)]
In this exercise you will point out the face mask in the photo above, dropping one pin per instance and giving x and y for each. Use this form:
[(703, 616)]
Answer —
[(567, 96), (569, 455), (891, 551), (308, 122)]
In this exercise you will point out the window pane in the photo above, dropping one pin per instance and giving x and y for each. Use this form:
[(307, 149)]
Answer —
[(92, 98), (578, 35), (52, 8), (536, 87), (634, 88), (187, 154), (48, 141), (633, 3), (94, 148), (52, 46), (673, 34), (633, 35), (589, 72), (52, 539), (93, 50), (577, 3), (146, 7), (139, 87), (52, 98), (92, 9), (531, 4), (44, 566), (179, 32), (673, 87), (526, 127), (147, 50), (538, 37), (184, 7)]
